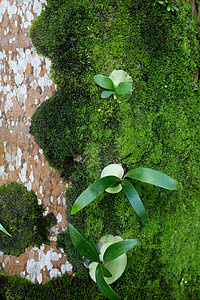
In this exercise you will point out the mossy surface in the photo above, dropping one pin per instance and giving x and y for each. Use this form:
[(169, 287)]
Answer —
[(18, 288), (23, 218), (157, 128), (58, 288), (56, 129)]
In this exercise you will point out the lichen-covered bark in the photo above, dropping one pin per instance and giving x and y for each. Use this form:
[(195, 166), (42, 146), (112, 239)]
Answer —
[(25, 84)]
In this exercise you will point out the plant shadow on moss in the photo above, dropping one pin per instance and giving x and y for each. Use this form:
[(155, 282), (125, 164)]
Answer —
[(23, 217)]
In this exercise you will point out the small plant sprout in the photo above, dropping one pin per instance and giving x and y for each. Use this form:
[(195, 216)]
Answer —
[(4, 230), (113, 181), (168, 6), (118, 84), (107, 258)]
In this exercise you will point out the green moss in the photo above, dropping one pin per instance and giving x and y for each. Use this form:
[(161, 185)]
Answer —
[(59, 126), (157, 128), (61, 37), (73, 287), (18, 288), (58, 288), (23, 219)]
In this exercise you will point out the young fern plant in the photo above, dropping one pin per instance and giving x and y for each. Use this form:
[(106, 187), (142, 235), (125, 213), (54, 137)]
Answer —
[(118, 84), (108, 265), (113, 181)]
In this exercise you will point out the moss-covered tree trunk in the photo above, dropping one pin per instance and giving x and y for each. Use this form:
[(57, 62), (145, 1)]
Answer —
[(158, 127)]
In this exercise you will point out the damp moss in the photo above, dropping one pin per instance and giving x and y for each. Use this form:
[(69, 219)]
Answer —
[(23, 219), (58, 288), (58, 131)]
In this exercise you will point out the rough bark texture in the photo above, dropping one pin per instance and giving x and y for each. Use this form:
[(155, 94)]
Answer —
[(195, 6), (24, 84)]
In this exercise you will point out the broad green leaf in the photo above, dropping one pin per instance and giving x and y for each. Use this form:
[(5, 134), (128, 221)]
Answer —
[(93, 191), (117, 249), (134, 199), (92, 243), (106, 272), (106, 94), (153, 177), (104, 82), (123, 88), (4, 230), (82, 245), (103, 286)]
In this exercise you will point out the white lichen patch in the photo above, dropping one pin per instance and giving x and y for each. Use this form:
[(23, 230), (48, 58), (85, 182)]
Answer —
[(45, 261), (59, 218), (22, 175), (17, 63), (29, 186), (31, 176), (59, 200), (6, 262), (9, 101), (34, 85), (13, 160), (22, 274), (44, 81), (54, 273), (1, 254), (3, 174), (18, 7), (36, 158), (64, 201), (11, 167), (66, 268), (18, 157), (41, 190)]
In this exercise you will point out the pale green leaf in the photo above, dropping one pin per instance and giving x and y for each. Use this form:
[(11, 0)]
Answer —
[(123, 88), (153, 177), (106, 94)]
